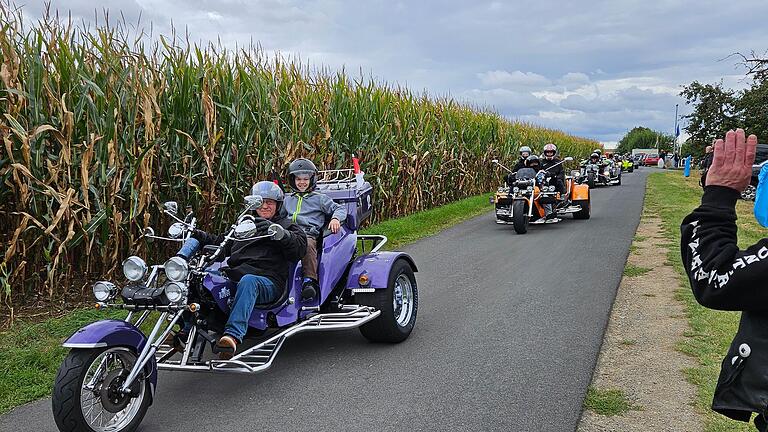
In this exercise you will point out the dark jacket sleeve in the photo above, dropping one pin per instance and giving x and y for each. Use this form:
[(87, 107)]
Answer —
[(294, 243), (722, 276), (208, 239)]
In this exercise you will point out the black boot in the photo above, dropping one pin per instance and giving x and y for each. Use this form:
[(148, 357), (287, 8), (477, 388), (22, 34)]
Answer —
[(309, 289)]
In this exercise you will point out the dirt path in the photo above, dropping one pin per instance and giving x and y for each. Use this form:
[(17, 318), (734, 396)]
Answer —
[(639, 355)]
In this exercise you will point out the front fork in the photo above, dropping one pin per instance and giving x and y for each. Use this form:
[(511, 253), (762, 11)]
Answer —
[(150, 347)]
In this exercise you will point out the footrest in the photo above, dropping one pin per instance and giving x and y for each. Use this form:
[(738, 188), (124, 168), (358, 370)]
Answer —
[(260, 357)]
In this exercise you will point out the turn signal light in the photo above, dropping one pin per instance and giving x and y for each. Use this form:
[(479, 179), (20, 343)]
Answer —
[(363, 280)]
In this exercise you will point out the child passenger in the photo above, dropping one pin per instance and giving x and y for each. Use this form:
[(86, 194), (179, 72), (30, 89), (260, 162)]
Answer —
[(310, 210)]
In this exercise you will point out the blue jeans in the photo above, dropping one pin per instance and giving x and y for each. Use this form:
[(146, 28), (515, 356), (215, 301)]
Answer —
[(251, 289)]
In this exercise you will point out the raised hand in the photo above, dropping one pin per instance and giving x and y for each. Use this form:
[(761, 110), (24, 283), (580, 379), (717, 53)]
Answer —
[(732, 163)]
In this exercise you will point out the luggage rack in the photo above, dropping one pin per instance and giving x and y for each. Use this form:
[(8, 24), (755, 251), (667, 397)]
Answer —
[(328, 177), (260, 357)]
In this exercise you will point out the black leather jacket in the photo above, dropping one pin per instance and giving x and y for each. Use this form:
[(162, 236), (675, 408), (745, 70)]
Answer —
[(724, 277), (264, 257)]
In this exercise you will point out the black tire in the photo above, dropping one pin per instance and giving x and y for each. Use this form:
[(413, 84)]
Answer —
[(586, 208), (631, 169), (519, 217), (385, 327), (619, 183), (591, 181), (67, 393)]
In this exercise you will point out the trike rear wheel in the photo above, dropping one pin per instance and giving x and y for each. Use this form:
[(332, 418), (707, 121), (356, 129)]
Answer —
[(398, 304)]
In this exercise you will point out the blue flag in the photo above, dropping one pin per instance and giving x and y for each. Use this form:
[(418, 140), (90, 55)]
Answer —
[(677, 131)]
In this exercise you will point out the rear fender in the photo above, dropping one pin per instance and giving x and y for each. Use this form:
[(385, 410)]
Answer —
[(377, 267), (580, 192), (113, 333)]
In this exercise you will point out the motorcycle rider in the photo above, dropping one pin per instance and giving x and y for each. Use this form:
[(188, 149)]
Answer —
[(534, 163), (260, 267), (550, 160), (525, 151), (310, 210)]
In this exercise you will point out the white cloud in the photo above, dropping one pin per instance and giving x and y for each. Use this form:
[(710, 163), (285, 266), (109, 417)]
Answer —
[(595, 71), (500, 78)]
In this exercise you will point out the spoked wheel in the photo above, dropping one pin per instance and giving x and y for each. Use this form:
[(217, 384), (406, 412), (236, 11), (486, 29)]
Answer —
[(398, 304), (86, 394)]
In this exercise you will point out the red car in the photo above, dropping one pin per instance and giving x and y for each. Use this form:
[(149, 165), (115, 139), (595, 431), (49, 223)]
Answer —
[(651, 160)]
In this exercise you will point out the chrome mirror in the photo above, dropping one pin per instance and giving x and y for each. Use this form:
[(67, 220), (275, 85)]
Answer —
[(252, 202), (171, 207), (148, 233), (176, 230)]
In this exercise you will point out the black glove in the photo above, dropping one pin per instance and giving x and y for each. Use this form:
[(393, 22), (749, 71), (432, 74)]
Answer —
[(199, 235), (262, 225)]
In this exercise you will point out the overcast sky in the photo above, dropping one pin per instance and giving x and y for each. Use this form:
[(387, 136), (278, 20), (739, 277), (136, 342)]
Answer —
[(594, 69)]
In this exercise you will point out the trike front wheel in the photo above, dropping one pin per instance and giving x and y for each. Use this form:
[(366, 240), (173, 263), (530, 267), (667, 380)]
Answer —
[(85, 393)]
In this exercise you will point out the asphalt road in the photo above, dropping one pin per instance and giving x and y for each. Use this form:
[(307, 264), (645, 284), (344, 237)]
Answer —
[(508, 332)]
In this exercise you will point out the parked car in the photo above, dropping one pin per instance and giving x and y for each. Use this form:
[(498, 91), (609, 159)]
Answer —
[(651, 160), (761, 157)]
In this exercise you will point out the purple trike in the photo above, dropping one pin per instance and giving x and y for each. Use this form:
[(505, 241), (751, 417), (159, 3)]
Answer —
[(107, 381)]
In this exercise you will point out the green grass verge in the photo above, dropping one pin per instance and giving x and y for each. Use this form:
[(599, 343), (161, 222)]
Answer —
[(633, 270), (408, 229), (609, 402), (30, 353), (672, 197)]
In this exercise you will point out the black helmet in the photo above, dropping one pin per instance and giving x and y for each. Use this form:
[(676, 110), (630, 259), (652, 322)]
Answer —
[(531, 160), (599, 152), (302, 166), (594, 155), (269, 190)]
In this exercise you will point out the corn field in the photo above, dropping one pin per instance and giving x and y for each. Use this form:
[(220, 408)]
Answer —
[(99, 128)]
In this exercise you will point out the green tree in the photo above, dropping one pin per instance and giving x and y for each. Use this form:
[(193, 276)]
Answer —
[(643, 137), (753, 107), (715, 112), (691, 148)]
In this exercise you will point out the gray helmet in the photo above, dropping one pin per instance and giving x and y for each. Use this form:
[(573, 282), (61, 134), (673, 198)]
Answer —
[(525, 149), (269, 190), (302, 166)]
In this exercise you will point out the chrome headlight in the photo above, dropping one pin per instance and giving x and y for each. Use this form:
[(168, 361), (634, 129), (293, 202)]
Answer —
[(176, 269), (516, 189), (175, 292), (551, 188), (134, 268), (104, 291), (530, 188)]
